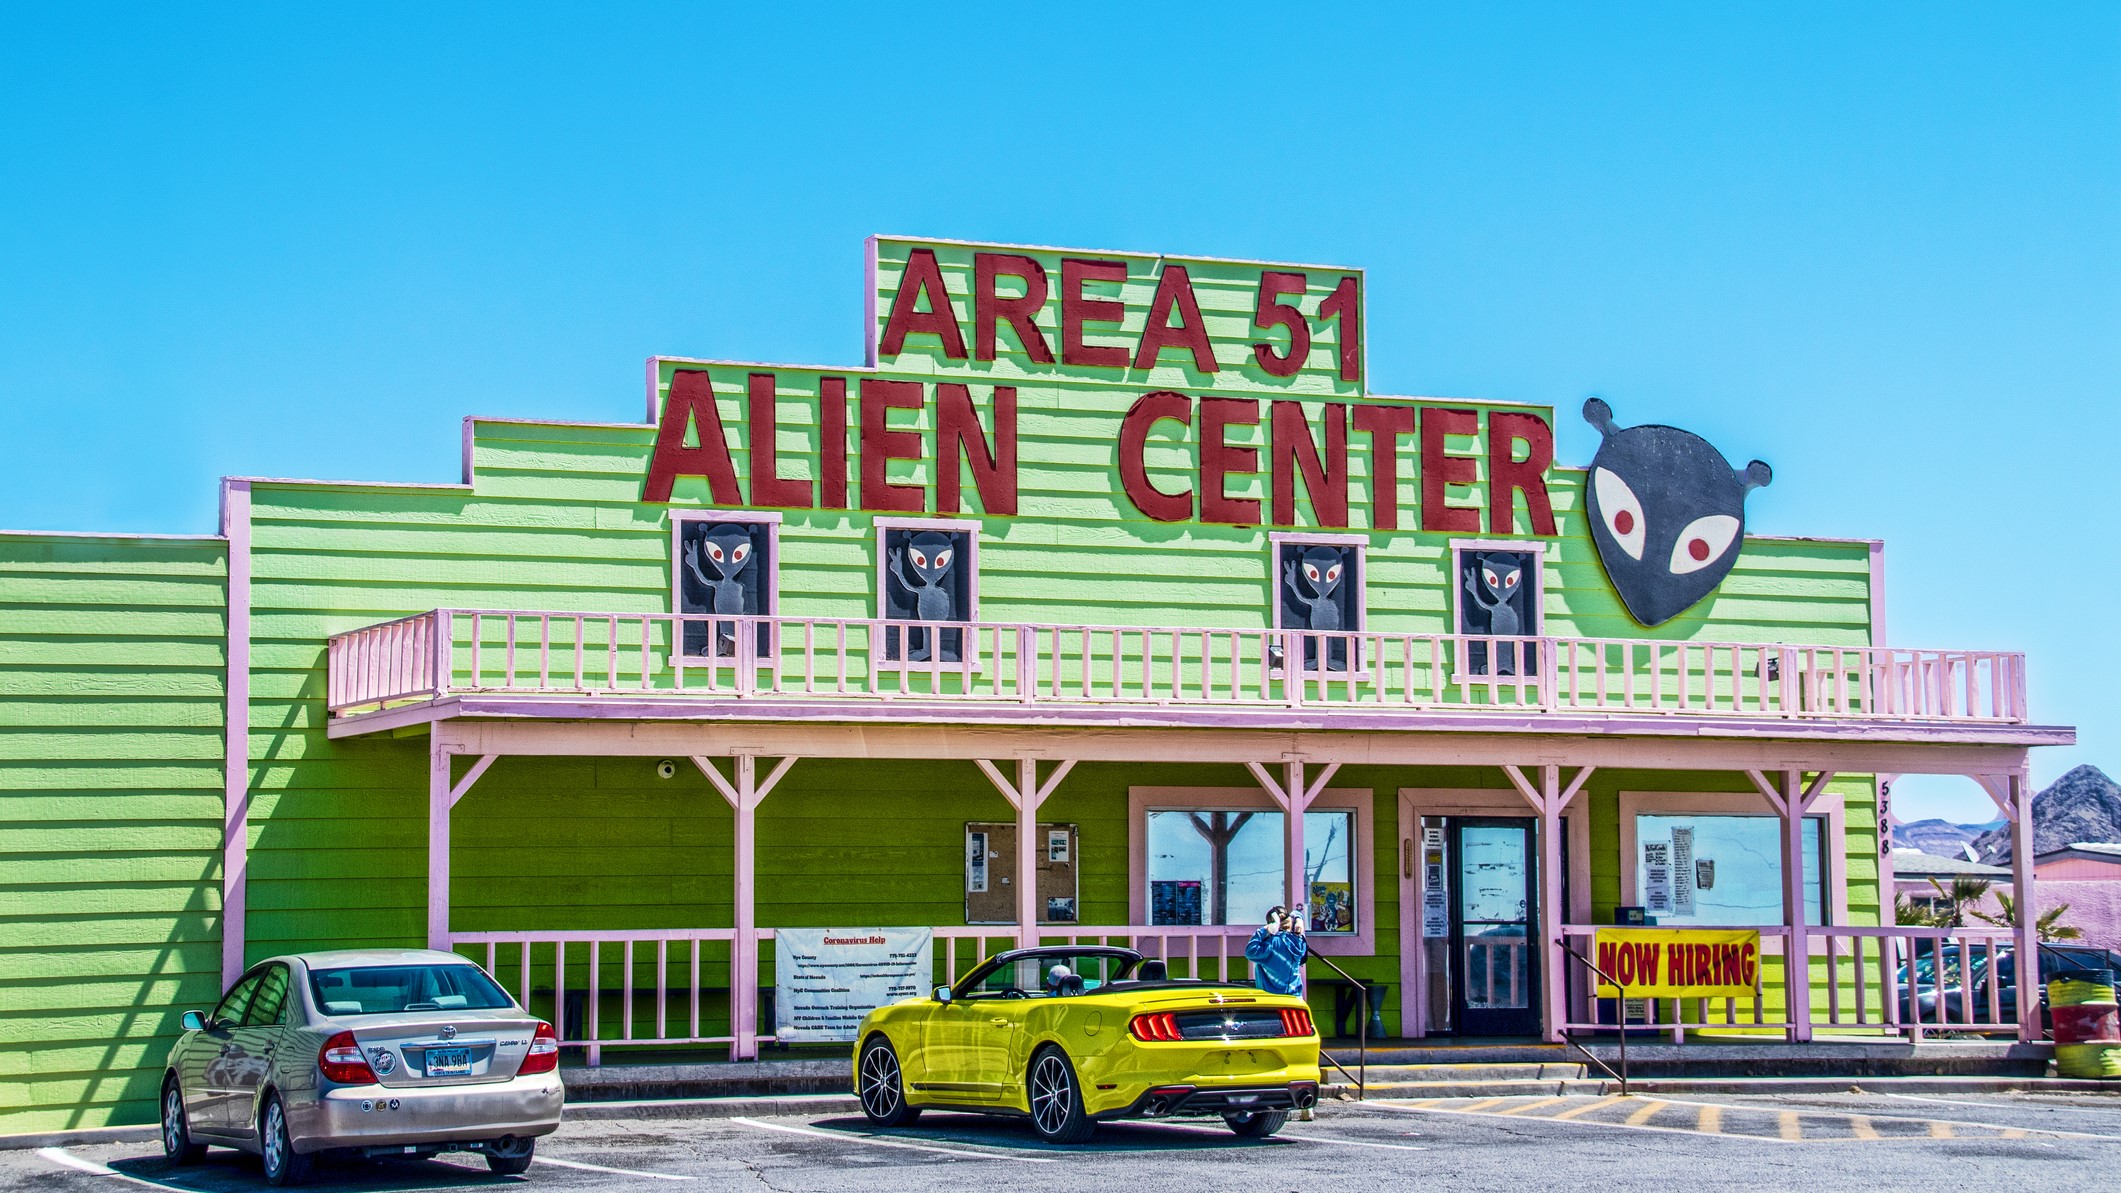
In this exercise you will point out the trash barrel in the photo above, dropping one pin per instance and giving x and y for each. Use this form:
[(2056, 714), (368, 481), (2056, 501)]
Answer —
[(2087, 1024)]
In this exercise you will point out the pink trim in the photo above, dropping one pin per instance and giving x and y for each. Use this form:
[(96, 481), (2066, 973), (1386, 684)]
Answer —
[(1363, 851), (1877, 593), (332, 484), (1078, 251), (1276, 540), (119, 535), (1454, 593), (466, 470), (870, 331), (235, 721)]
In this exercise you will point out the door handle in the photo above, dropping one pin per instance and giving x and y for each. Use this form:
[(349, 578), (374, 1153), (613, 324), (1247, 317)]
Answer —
[(997, 1023)]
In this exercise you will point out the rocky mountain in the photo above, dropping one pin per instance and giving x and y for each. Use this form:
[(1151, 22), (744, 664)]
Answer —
[(2083, 805), (1939, 838)]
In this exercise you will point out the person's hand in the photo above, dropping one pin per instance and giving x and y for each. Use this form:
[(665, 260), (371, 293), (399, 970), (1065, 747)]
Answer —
[(1273, 924)]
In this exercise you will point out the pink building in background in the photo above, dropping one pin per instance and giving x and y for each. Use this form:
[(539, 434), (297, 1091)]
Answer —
[(2085, 876)]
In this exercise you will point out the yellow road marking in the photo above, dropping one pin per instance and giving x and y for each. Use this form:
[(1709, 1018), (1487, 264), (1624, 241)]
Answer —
[(1586, 1108), (1939, 1129), (1862, 1127), (1479, 1104), (1535, 1104), (1788, 1125), (2013, 1133), (1649, 1110), (1711, 1120)]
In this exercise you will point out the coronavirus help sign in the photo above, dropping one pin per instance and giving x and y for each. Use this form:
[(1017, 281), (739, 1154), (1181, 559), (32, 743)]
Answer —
[(1679, 962)]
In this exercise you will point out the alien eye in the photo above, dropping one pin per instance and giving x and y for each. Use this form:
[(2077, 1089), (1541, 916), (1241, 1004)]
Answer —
[(919, 560), (1311, 570), (1622, 511), (714, 552), (942, 559), (1703, 542), (742, 550), (1510, 581), (1333, 573), (1493, 581)]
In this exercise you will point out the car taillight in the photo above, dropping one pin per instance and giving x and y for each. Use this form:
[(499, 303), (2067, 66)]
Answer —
[(1295, 1021), (544, 1054), (341, 1060), (1159, 1026)]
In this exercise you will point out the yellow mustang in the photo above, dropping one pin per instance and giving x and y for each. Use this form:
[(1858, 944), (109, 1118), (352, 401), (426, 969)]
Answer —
[(1073, 1036)]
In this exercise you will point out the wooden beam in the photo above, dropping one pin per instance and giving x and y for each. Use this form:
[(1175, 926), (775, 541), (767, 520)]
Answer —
[(464, 785), (1525, 788)]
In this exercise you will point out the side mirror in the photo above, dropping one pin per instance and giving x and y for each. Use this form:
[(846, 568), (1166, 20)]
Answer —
[(942, 994), (194, 1021)]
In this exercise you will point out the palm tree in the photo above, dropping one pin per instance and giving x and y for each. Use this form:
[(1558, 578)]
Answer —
[(2048, 927), (1951, 907)]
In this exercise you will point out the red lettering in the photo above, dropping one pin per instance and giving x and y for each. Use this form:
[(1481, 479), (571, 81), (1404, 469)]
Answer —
[(1219, 459), (1174, 291), (1272, 312), (1748, 965), (1147, 411), (922, 276), (881, 445), (1440, 470), (1384, 425), (1508, 476), (990, 309), (832, 443), (1609, 959), (1675, 965), (1077, 310), (1293, 450), (691, 405), (761, 432), (958, 440), (1646, 963), (1345, 304)]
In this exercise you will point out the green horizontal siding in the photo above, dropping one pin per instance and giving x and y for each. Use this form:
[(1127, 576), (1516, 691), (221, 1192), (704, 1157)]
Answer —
[(111, 683)]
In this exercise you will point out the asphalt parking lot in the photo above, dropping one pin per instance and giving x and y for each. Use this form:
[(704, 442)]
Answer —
[(1856, 1141)]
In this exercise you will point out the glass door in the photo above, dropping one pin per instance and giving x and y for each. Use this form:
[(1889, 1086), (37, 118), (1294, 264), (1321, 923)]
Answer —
[(1495, 983)]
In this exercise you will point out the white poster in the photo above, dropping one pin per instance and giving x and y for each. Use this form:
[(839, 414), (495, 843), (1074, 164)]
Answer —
[(828, 979), (1435, 916), (1657, 877), (1683, 871)]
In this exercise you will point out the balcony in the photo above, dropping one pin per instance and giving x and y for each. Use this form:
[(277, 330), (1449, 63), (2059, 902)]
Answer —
[(618, 664)]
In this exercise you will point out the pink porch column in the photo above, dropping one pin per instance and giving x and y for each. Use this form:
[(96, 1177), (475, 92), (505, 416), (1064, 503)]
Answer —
[(1791, 801), (1550, 799), (744, 795), (1293, 793), (442, 798), (1027, 794), (2028, 945)]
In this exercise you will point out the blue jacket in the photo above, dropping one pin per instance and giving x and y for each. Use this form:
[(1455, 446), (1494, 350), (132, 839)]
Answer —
[(1277, 961)]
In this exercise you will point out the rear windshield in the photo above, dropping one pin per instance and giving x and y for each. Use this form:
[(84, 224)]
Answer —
[(388, 989)]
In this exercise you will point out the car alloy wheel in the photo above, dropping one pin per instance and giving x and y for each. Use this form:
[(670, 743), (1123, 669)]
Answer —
[(177, 1145), (881, 1085), (283, 1165), (1056, 1108)]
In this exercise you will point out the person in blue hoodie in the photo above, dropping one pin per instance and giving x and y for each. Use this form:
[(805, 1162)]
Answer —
[(1277, 953)]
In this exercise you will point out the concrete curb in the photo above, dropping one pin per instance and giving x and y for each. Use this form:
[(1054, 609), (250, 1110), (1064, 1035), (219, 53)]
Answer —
[(716, 1107), (1732, 1085), (142, 1134)]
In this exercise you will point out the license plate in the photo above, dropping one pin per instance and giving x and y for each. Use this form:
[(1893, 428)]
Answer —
[(448, 1062)]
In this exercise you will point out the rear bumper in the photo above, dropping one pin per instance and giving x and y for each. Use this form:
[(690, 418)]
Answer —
[(377, 1115), (1188, 1100)]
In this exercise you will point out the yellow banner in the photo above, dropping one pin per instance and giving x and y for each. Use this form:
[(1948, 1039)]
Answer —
[(1679, 962)]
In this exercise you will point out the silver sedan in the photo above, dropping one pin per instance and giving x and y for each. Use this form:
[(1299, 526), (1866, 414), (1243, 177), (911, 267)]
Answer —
[(362, 1053)]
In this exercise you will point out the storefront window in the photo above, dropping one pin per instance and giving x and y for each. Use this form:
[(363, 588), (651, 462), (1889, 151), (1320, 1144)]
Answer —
[(726, 568), (1225, 866), (1722, 869)]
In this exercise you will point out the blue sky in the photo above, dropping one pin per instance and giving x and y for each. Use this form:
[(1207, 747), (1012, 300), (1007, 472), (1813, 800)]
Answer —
[(1876, 245)]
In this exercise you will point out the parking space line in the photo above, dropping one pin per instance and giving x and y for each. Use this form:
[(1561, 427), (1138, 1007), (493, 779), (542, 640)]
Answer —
[(1586, 1108), (1645, 1114), (1924, 1122), (1861, 1127), (66, 1159), (1711, 1120), (1534, 1104), (1788, 1126), (661, 1176), (1940, 1129), (1574, 1122), (850, 1137)]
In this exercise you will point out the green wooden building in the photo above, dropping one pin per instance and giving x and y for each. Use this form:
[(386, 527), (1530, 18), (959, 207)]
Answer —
[(1105, 600)]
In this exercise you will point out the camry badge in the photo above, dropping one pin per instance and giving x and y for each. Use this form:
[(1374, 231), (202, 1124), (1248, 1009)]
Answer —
[(384, 1060), (449, 1031)]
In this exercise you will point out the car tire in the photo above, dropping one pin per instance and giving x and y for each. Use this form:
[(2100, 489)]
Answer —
[(1257, 1124), (178, 1147), (1055, 1098), (510, 1156), (284, 1166), (880, 1083)]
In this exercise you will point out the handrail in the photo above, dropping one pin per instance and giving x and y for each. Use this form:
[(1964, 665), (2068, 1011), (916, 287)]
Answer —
[(1362, 1032), (1570, 1040)]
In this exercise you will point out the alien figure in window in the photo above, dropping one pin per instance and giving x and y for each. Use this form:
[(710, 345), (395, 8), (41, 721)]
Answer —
[(933, 596), (1311, 591), (718, 560), (1491, 586)]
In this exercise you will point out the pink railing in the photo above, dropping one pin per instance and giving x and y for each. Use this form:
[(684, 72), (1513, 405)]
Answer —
[(1860, 981), (671, 986), (453, 651)]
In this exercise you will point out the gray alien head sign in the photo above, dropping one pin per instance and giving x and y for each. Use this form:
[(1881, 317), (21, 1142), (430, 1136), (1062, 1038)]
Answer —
[(1667, 513)]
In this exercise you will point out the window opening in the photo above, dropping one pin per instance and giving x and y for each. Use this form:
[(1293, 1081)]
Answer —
[(929, 575), (726, 568), (1713, 870), (1498, 597), (1215, 866)]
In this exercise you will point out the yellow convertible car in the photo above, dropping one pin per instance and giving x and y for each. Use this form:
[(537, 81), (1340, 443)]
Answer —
[(1069, 1037)]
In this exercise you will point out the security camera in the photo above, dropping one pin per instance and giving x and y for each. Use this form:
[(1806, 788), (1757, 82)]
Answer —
[(666, 769)]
